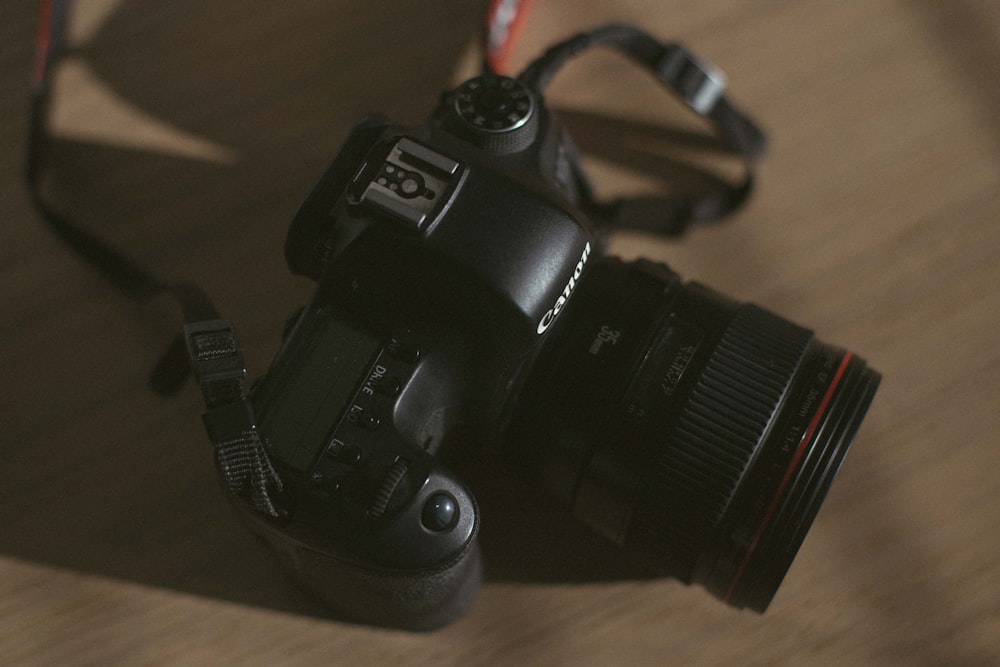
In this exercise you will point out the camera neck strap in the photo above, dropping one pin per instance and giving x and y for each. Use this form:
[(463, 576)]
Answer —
[(701, 86), (209, 345)]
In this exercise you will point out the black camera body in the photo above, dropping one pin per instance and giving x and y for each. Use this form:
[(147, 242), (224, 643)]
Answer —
[(442, 259), (463, 303)]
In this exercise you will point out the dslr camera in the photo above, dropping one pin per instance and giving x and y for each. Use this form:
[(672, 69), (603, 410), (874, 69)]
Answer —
[(462, 301)]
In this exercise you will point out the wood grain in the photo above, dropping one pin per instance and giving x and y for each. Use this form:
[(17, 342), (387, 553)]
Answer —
[(189, 133)]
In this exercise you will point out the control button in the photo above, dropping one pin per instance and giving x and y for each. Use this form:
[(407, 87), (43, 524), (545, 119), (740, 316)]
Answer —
[(335, 447), (388, 386), (403, 351), (344, 452), (350, 454), (440, 513), (355, 413), (324, 483)]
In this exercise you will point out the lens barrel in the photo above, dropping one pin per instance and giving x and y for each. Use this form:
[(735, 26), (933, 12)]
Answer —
[(699, 433)]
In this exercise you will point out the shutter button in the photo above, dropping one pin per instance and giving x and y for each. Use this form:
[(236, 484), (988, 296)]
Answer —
[(440, 513)]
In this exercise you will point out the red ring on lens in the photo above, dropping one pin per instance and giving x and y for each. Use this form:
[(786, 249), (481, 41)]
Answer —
[(800, 452)]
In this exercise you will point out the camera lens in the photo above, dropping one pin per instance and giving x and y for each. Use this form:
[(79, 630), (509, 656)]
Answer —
[(699, 433)]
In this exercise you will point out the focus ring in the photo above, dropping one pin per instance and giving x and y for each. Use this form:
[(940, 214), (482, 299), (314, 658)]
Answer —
[(716, 434)]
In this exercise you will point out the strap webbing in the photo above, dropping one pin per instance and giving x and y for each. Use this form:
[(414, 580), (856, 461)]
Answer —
[(701, 87), (118, 268), (217, 359)]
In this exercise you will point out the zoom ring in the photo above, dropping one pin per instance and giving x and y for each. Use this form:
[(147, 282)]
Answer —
[(715, 436)]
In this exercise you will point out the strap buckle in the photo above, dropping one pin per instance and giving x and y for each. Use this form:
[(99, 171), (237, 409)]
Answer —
[(698, 83), (214, 351)]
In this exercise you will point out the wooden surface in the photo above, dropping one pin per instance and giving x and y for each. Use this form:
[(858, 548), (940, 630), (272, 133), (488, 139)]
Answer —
[(191, 131)]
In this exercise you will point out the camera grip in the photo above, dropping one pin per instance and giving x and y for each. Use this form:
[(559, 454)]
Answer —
[(418, 600), (418, 569)]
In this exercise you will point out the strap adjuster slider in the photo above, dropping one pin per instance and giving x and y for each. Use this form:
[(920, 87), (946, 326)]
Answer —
[(697, 82), (214, 351)]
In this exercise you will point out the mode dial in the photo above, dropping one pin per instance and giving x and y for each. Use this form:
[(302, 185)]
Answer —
[(497, 113)]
